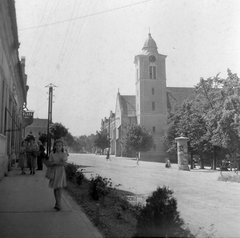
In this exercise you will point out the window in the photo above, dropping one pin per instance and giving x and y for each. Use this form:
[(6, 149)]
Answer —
[(152, 72), (153, 106), (154, 129), (153, 92)]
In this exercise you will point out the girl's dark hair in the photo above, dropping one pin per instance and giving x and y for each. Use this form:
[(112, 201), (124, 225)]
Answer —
[(54, 145)]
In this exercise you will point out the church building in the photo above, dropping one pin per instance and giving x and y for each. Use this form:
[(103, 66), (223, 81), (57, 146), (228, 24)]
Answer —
[(149, 106)]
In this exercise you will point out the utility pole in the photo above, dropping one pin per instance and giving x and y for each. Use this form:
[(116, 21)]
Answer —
[(50, 101)]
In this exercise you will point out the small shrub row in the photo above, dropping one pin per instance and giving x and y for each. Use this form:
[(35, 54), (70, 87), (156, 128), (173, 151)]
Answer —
[(74, 174), (99, 187), (79, 176)]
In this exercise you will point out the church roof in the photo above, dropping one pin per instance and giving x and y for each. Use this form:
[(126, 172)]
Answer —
[(175, 96), (150, 44), (128, 104)]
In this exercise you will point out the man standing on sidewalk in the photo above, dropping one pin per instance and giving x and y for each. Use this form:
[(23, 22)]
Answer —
[(108, 154)]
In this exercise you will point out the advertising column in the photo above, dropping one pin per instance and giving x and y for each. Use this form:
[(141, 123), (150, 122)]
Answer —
[(182, 152)]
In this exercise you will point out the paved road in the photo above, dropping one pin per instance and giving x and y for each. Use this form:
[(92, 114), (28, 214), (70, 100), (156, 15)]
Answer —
[(202, 200)]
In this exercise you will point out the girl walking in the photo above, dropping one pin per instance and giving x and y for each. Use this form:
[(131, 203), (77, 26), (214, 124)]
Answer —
[(57, 160)]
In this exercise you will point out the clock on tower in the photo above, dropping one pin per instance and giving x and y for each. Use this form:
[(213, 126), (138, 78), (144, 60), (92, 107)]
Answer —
[(152, 58)]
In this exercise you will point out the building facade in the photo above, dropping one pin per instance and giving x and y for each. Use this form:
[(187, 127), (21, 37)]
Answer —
[(150, 104), (13, 87)]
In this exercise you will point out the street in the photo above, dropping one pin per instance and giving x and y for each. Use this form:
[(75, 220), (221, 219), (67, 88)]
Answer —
[(203, 201)]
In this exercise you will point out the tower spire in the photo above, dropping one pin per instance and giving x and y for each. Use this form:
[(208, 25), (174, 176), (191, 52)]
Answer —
[(150, 45)]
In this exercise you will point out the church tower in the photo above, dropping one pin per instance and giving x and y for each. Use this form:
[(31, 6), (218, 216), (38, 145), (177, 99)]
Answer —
[(151, 105)]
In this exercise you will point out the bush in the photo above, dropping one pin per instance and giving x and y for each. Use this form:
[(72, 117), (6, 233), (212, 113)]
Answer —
[(99, 187), (160, 218), (71, 170), (79, 177)]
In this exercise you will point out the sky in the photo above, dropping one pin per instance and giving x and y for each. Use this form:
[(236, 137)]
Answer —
[(86, 48)]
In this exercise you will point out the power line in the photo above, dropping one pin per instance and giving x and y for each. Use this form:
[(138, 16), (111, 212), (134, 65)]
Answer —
[(76, 36), (41, 21), (90, 15), (66, 35), (40, 40)]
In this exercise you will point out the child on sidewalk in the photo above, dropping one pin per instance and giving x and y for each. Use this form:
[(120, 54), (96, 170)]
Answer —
[(57, 160)]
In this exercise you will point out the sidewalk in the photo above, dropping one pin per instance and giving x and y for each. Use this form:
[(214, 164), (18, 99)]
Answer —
[(26, 210)]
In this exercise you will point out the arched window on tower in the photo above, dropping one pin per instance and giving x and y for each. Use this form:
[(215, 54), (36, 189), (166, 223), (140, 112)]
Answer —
[(152, 72)]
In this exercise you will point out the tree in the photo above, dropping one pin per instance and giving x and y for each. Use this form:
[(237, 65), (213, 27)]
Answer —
[(69, 139), (137, 138), (188, 121), (210, 120), (101, 139), (90, 143), (227, 131), (57, 131), (222, 112), (76, 146)]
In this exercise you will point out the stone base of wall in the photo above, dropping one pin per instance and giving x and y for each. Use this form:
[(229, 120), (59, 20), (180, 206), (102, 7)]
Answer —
[(3, 166)]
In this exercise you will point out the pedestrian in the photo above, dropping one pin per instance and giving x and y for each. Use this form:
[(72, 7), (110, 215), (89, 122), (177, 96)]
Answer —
[(32, 153), (41, 155), (137, 157), (108, 154), (57, 160), (13, 156), (168, 164), (22, 162)]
